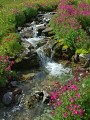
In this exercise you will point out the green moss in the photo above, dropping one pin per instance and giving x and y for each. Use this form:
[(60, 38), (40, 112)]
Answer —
[(65, 47), (82, 51)]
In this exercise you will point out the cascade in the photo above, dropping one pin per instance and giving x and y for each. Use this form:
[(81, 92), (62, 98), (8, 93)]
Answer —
[(52, 67)]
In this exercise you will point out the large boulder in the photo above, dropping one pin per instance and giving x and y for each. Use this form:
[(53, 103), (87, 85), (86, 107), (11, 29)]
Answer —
[(62, 51), (47, 31), (11, 97), (26, 63)]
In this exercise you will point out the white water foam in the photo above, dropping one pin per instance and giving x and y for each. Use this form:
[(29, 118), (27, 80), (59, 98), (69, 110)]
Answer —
[(56, 69), (52, 67), (35, 40)]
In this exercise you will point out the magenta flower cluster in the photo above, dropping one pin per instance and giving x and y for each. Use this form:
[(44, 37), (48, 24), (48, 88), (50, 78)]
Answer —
[(5, 68), (68, 14), (60, 91)]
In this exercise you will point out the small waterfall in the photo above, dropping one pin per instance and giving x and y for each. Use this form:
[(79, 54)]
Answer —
[(35, 39), (35, 32), (52, 67), (44, 59), (52, 53)]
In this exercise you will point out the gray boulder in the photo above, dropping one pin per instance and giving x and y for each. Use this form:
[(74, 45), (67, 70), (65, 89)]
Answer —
[(87, 63), (7, 98)]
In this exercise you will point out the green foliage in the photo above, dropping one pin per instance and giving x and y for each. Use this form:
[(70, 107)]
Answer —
[(1, 5), (65, 47), (85, 21), (45, 7), (82, 51), (30, 12), (69, 26), (13, 48), (11, 45), (71, 37), (20, 19)]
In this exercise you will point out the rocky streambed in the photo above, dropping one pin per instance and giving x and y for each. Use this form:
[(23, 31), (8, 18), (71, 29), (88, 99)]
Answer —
[(36, 72)]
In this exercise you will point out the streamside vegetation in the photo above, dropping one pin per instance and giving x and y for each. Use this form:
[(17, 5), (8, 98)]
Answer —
[(15, 13), (71, 26)]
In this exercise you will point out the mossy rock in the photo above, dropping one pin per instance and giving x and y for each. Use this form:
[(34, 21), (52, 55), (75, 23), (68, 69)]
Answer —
[(65, 47), (60, 42), (62, 50)]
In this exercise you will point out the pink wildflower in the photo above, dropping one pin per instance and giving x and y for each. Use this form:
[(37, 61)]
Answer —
[(12, 62), (72, 99), (52, 113), (54, 95), (64, 88), (65, 115), (58, 102), (81, 112), (74, 112), (76, 106), (78, 95), (56, 82), (8, 68), (74, 87), (76, 79)]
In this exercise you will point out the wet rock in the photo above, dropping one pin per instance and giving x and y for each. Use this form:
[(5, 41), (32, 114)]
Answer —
[(27, 34), (88, 56), (39, 95), (13, 83), (75, 58), (27, 76), (87, 62), (47, 16), (43, 95), (39, 76), (36, 97), (47, 31), (41, 43), (19, 29), (47, 51), (62, 51), (31, 100), (40, 26), (29, 62), (82, 58), (46, 97), (10, 97)]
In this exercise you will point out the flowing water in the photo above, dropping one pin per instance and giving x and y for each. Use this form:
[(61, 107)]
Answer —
[(52, 67), (48, 68)]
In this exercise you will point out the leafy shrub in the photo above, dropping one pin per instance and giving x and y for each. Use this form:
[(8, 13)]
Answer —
[(84, 15), (69, 22), (45, 8), (11, 45), (1, 5), (85, 21), (30, 12), (20, 19)]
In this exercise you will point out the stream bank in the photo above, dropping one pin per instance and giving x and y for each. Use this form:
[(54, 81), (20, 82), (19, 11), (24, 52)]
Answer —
[(38, 42)]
